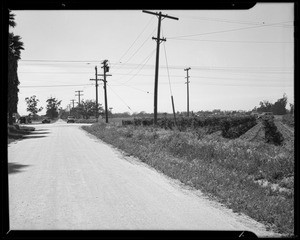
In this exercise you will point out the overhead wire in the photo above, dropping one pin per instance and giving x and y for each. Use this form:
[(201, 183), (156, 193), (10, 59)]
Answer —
[(202, 68), (151, 19), (228, 41), (61, 85), (228, 30), (167, 69), (139, 47), (146, 60), (119, 97), (228, 20)]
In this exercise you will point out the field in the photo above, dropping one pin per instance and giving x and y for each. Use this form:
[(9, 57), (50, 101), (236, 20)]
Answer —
[(251, 173)]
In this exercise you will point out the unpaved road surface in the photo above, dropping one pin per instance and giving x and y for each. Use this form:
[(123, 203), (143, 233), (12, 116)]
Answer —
[(61, 177)]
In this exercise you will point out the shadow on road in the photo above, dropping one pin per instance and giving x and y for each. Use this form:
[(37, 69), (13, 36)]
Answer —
[(32, 136), (15, 168), (36, 134), (33, 133)]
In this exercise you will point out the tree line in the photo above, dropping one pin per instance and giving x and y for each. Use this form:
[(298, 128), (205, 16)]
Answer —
[(53, 107), (278, 108)]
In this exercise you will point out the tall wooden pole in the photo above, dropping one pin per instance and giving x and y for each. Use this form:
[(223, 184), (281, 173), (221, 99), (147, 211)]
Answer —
[(158, 41), (188, 97)]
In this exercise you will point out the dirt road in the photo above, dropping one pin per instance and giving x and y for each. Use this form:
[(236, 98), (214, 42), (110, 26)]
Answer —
[(61, 177)]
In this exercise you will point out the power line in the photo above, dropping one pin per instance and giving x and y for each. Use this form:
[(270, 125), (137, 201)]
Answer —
[(229, 41), (228, 30), (119, 98), (256, 69), (135, 88), (249, 70), (217, 84), (139, 48), (138, 65), (173, 76), (151, 19), (67, 85), (230, 21), (58, 61), (147, 59), (168, 69)]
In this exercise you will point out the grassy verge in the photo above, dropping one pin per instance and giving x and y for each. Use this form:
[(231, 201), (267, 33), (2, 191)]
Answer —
[(230, 171)]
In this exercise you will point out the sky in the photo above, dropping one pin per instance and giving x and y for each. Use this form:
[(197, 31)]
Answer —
[(237, 57)]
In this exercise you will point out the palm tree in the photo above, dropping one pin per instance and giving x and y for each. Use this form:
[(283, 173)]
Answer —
[(15, 45), (11, 21)]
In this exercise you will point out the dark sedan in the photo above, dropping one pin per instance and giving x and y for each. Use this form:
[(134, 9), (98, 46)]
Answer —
[(46, 120)]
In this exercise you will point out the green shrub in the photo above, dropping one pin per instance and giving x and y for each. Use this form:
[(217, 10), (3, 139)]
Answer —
[(272, 135)]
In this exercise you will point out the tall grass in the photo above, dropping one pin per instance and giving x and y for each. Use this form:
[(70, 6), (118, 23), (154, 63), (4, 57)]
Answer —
[(226, 169)]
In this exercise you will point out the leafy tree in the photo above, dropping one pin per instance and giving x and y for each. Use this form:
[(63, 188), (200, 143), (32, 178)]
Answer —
[(265, 106), (278, 107), (32, 105), (52, 107), (14, 55), (86, 109)]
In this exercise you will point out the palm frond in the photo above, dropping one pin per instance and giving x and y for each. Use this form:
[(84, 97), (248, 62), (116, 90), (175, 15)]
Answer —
[(11, 20)]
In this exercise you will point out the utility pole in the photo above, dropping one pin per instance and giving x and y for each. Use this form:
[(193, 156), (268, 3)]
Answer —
[(79, 94), (105, 70), (187, 84), (73, 102), (96, 85), (158, 41)]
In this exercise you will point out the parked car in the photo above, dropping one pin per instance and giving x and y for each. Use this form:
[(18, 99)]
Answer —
[(46, 120), (24, 120), (71, 119)]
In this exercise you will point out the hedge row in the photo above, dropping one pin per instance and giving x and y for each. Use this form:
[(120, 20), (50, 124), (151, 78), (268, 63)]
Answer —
[(231, 126), (272, 135)]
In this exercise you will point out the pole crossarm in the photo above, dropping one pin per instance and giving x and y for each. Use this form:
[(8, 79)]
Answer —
[(160, 14), (161, 39)]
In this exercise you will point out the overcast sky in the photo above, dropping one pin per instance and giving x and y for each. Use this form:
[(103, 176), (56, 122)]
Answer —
[(237, 57)]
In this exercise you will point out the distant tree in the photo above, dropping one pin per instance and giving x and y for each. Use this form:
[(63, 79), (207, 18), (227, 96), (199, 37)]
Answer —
[(86, 109), (15, 45), (52, 107), (89, 108), (278, 108), (32, 105), (265, 106)]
